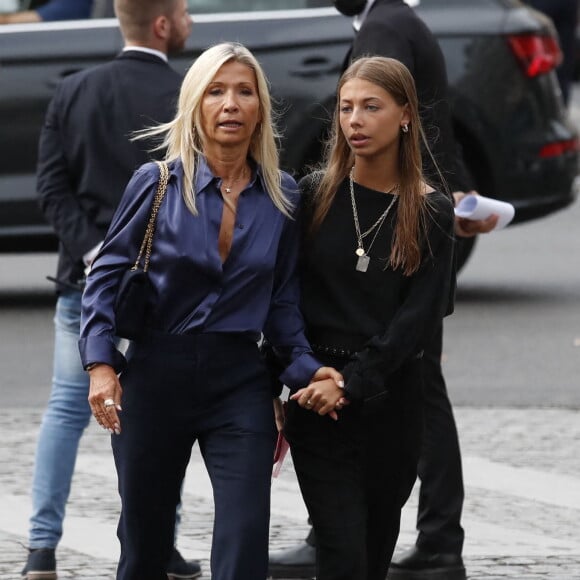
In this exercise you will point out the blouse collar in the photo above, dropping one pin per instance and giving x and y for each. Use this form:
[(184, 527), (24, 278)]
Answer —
[(205, 176)]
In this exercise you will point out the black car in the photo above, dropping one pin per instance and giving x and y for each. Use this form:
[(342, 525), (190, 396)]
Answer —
[(508, 114)]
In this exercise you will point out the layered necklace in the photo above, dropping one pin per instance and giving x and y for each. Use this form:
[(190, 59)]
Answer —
[(363, 260)]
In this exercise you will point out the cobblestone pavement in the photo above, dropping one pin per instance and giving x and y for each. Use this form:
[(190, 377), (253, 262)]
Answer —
[(522, 474)]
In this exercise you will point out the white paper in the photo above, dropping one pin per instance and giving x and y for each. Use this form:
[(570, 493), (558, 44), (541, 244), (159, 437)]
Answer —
[(478, 207)]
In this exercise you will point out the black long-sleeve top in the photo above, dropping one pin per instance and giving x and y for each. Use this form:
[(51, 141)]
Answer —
[(385, 316)]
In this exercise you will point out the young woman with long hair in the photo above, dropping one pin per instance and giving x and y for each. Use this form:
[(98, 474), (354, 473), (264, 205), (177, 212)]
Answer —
[(376, 282)]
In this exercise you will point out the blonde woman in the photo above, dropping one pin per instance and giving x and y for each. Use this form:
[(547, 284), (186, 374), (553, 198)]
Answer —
[(223, 269), (376, 276)]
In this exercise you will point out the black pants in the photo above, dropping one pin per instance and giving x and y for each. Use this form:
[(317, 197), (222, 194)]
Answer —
[(356, 474), (441, 494), (209, 388)]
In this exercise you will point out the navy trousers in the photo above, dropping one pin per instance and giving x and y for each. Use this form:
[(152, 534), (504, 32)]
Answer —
[(178, 389)]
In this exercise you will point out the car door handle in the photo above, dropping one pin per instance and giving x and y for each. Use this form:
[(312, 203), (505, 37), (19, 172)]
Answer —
[(315, 66), (55, 81)]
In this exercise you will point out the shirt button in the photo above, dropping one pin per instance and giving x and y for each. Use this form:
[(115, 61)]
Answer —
[(241, 226)]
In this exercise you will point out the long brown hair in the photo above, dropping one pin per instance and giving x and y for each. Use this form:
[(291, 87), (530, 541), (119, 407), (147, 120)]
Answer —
[(394, 77)]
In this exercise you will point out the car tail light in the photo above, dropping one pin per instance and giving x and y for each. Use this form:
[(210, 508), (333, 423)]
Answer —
[(559, 148), (536, 54)]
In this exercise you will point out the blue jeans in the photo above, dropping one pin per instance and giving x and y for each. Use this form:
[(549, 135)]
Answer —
[(65, 418)]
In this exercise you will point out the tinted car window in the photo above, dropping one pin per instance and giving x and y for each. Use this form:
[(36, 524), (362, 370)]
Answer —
[(455, 3), (512, 127), (213, 6)]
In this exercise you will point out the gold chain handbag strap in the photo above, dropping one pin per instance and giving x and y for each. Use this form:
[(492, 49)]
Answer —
[(147, 243)]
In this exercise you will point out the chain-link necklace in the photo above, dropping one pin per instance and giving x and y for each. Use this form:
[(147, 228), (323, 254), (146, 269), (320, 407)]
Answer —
[(363, 260)]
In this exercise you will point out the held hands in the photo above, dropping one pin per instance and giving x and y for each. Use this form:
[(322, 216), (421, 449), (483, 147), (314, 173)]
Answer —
[(324, 395), (466, 228), (105, 397)]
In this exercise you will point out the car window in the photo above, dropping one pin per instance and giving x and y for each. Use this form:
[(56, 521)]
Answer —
[(213, 6), (454, 3)]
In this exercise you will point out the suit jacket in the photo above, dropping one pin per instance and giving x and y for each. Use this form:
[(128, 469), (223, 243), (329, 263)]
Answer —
[(394, 30), (86, 157)]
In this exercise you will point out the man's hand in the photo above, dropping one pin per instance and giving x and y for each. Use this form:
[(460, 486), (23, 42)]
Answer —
[(22, 17), (466, 228)]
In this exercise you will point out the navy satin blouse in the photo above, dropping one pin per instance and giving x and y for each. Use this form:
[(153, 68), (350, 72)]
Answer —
[(255, 290)]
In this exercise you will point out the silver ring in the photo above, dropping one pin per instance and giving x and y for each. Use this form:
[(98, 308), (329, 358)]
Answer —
[(109, 403), (309, 403)]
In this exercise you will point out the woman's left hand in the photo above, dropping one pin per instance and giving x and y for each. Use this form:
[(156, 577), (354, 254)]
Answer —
[(328, 373)]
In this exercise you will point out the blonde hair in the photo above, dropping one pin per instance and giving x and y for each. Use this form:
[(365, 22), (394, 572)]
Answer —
[(394, 77), (184, 136)]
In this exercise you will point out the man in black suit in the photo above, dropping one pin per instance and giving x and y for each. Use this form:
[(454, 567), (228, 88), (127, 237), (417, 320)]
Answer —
[(391, 28), (85, 161)]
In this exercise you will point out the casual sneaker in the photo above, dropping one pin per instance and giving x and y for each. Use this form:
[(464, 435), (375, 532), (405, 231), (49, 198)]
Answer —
[(41, 565), (181, 569)]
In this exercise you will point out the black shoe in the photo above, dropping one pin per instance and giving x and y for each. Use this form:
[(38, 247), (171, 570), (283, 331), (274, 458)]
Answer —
[(179, 568), (297, 562), (416, 564), (40, 565)]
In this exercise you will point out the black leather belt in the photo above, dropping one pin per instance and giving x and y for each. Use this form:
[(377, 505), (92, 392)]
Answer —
[(344, 352), (332, 350)]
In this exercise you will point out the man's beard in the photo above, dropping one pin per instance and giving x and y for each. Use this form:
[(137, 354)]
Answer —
[(175, 45)]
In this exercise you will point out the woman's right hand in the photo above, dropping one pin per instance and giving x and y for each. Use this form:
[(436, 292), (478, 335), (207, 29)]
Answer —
[(105, 397)]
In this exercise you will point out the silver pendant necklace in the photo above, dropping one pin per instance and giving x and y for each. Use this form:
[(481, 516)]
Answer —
[(364, 259)]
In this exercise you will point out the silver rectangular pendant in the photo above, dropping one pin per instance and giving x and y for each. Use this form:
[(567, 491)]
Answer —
[(362, 263)]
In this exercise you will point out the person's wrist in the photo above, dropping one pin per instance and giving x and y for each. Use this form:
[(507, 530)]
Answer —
[(92, 366)]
